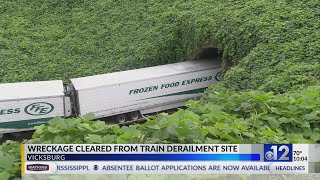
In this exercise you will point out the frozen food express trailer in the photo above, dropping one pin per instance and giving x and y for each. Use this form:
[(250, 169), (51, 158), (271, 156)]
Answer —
[(123, 96)]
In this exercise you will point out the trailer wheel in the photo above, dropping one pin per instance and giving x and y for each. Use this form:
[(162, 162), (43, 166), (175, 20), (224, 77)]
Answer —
[(134, 115), (120, 118)]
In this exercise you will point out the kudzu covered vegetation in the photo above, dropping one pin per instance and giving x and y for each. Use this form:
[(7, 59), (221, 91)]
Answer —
[(274, 45), (270, 95)]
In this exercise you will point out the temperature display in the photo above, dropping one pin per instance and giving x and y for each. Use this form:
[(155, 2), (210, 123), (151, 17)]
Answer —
[(300, 153)]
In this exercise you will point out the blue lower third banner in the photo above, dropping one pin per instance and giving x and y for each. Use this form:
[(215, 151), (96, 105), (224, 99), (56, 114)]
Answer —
[(170, 158), (143, 157)]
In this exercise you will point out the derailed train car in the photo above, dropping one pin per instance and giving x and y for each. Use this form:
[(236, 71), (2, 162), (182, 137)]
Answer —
[(124, 96), (28, 104)]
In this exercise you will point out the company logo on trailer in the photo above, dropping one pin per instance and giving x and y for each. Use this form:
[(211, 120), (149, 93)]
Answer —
[(218, 76), (38, 167), (39, 108)]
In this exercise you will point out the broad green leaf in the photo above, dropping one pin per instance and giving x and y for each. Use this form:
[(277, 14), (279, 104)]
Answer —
[(305, 124), (56, 120), (268, 133), (6, 161), (99, 124), (280, 132), (4, 175), (251, 135), (274, 123), (307, 132), (190, 123), (299, 120), (171, 130), (284, 120), (275, 110), (121, 140), (236, 131), (182, 132), (109, 139), (59, 140), (232, 139), (154, 127), (203, 131), (292, 108), (152, 141), (212, 141), (88, 127), (245, 105), (94, 138), (219, 125), (308, 105), (88, 116), (132, 130), (316, 130), (64, 126), (311, 116), (315, 137), (214, 131), (54, 130)]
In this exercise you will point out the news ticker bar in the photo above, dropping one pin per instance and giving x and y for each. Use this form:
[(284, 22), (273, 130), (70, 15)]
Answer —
[(152, 167), (98, 158)]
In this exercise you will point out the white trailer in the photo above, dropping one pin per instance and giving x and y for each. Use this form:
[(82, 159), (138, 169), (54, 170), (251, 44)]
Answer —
[(28, 104), (144, 90)]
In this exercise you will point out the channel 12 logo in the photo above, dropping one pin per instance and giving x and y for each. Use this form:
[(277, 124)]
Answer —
[(278, 152)]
